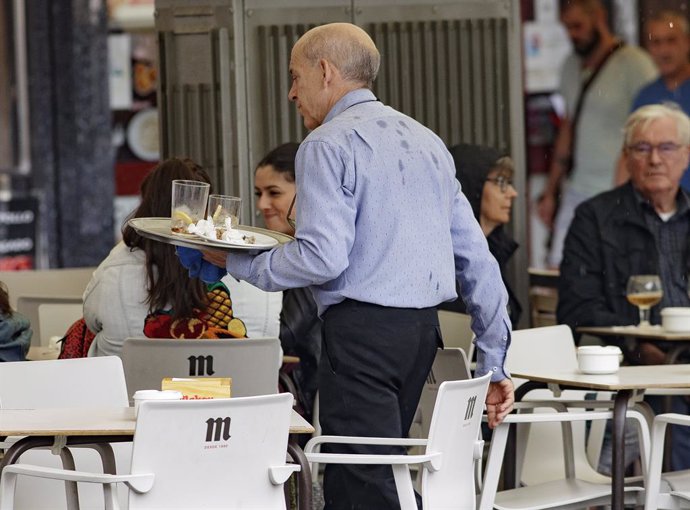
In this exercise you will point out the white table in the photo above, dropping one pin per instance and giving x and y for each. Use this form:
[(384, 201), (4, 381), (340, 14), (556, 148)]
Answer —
[(113, 421), (626, 382), (101, 426), (649, 333)]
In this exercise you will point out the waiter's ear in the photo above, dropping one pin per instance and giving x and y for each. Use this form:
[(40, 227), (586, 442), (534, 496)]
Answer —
[(328, 71)]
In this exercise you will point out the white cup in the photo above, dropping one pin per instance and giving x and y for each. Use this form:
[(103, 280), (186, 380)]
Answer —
[(676, 319), (141, 395), (598, 359)]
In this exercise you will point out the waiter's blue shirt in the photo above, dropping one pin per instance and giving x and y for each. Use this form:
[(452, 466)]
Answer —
[(381, 219)]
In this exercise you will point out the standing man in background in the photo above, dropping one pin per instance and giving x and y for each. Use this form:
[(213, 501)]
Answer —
[(668, 43), (598, 82), (382, 230)]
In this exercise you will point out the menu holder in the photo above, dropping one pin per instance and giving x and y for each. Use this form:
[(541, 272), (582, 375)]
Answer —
[(196, 388)]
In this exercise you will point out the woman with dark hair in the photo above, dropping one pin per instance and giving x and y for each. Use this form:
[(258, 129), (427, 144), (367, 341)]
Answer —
[(15, 330), (300, 326), (274, 186), (486, 177), (141, 276)]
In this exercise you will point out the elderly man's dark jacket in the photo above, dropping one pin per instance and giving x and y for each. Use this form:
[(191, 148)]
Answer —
[(608, 241)]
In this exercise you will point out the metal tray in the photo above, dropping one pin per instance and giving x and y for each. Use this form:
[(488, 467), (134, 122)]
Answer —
[(158, 229)]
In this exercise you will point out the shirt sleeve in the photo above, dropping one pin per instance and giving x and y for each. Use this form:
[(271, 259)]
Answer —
[(325, 219), (482, 290)]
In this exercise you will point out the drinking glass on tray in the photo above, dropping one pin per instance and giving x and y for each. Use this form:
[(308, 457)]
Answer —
[(644, 291), (221, 207), (188, 204)]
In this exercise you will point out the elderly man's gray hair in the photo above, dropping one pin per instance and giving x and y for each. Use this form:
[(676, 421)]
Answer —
[(645, 115), (355, 56)]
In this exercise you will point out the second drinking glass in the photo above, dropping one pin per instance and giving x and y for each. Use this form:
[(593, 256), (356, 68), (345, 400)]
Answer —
[(221, 207)]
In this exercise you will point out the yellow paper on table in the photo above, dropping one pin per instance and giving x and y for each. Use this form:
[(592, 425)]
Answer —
[(193, 388)]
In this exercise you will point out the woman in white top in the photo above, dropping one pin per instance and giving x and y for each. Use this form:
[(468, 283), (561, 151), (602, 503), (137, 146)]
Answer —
[(141, 276)]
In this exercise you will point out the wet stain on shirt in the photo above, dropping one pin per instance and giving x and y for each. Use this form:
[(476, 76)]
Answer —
[(382, 123)]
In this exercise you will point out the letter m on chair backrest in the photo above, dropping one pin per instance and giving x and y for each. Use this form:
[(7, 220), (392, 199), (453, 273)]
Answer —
[(469, 410), (217, 427), (200, 365)]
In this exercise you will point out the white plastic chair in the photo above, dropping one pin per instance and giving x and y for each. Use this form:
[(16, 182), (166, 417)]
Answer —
[(228, 453), (50, 316), (67, 282), (552, 466), (456, 331), (673, 491), (567, 493), (452, 449), (253, 364), (548, 451), (450, 364), (70, 383)]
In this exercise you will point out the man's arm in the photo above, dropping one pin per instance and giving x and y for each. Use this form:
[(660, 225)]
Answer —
[(482, 289), (581, 293), (325, 228), (546, 208)]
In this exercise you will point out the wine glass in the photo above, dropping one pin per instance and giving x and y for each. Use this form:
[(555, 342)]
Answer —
[(644, 291)]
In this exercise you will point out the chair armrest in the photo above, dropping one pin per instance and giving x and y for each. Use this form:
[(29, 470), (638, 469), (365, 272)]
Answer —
[(140, 483), (384, 441), (556, 404), (558, 417), (279, 474), (673, 419), (431, 460), (537, 404)]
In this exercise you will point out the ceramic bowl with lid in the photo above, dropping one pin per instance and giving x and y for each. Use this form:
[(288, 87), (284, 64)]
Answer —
[(676, 319), (599, 359)]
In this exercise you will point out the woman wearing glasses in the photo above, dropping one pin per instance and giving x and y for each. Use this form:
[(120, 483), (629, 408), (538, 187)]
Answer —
[(300, 327), (486, 177)]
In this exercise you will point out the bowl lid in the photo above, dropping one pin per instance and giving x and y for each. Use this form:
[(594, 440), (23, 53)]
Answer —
[(676, 311), (599, 349)]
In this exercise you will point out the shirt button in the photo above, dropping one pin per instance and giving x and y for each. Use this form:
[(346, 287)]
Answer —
[(495, 369), (505, 338)]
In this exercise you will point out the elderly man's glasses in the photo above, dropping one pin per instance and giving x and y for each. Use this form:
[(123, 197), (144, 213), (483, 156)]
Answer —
[(290, 219), (643, 150), (501, 181)]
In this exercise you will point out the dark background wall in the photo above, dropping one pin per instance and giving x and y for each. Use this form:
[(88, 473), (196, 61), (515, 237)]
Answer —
[(72, 159)]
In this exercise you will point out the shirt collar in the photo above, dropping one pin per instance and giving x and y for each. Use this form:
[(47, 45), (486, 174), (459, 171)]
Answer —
[(682, 202), (350, 99)]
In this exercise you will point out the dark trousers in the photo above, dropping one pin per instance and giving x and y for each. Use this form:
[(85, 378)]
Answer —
[(374, 362)]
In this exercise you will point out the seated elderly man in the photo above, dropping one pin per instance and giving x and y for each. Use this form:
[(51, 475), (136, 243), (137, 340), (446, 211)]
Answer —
[(641, 227)]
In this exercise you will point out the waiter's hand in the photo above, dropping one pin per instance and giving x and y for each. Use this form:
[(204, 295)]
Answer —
[(216, 257), (499, 401)]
